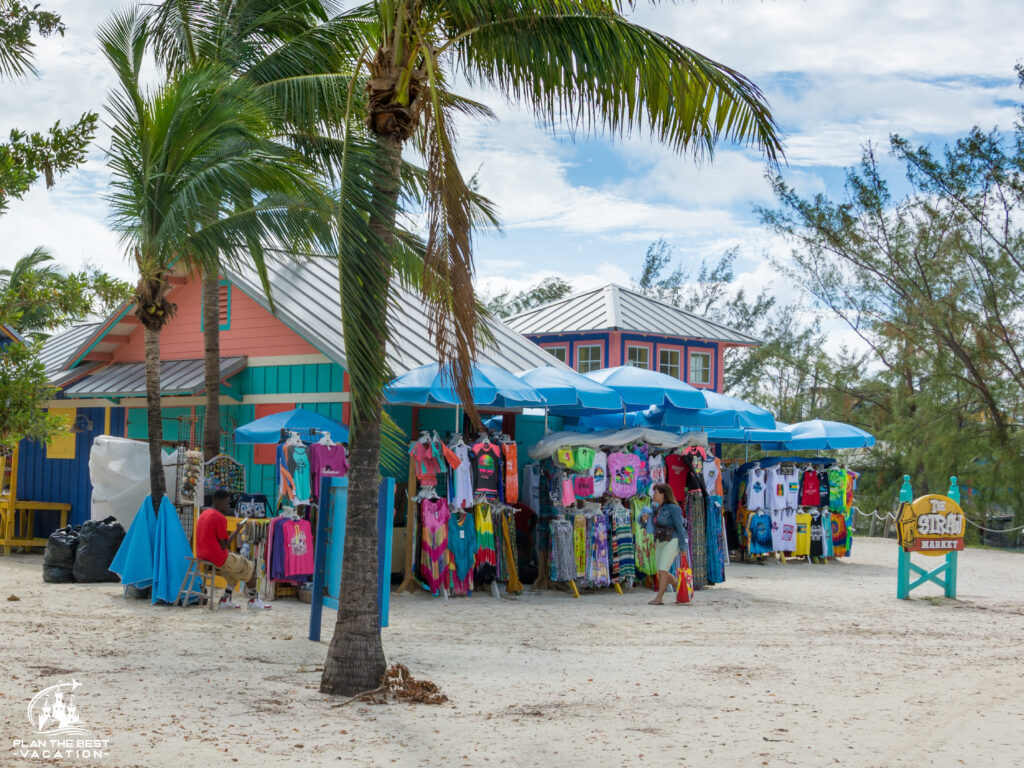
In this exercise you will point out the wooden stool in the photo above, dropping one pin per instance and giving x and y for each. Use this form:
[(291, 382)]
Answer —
[(198, 570)]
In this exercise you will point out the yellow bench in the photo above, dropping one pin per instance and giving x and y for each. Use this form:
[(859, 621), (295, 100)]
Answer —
[(18, 516)]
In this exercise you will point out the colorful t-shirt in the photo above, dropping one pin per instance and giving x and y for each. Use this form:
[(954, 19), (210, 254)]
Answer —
[(803, 535), (710, 470), (676, 470), (656, 469), (817, 534), (327, 461), (836, 490), (784, 530), (810, 490), (760, 526), (426, 464), (838, 532), (298, 548), (564, 457), (599, 471), (623, 471), (486, 467), (582, 458)]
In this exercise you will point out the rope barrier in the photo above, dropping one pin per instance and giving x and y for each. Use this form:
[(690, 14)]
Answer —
[(995, 530)]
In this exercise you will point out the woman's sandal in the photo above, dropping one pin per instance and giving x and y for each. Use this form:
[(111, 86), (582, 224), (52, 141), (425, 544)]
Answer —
[(655, 602)]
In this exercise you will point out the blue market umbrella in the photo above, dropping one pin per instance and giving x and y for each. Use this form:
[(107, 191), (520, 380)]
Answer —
[(722, 411), (431, 385), (133, 561), (761, 436), (268, 429), (561, 387), (642, 388), (170, 552), (822, 435)]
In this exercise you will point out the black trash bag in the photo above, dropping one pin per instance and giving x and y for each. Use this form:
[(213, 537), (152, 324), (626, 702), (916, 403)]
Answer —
[(98, 542), (53, 574), (60, 549), (135, 593)]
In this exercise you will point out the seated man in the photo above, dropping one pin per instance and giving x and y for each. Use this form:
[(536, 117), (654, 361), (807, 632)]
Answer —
[(212, 542)]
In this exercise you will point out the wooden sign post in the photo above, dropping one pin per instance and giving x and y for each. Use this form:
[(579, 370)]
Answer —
[(932, 525)]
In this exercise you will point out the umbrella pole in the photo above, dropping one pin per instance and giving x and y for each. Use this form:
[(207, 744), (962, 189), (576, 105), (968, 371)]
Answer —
[(545, 419), (457, 430), (623, 416)]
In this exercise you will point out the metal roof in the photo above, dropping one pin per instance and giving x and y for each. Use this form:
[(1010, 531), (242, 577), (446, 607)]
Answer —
[(177, 377), (616, 308), (306, 299), (58, 350)]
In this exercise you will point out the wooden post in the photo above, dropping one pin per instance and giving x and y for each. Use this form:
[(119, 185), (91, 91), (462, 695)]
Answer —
[(408, 582), (871, 527)]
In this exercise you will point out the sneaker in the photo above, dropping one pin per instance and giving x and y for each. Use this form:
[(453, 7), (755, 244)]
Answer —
[(226, 602), (257, 604)]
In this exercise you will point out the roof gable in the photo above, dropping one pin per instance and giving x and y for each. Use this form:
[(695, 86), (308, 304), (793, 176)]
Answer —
[(615, 308)]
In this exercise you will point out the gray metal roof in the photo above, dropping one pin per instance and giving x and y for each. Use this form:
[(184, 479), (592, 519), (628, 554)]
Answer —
[(306, 299), (620, 309), (177, 377), (61, 347)]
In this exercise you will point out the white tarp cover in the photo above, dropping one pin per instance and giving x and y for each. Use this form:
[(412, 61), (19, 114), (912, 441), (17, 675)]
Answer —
[(119, 470), (614, 438)]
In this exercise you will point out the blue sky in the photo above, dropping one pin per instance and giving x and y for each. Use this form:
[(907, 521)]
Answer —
[(836, 74)]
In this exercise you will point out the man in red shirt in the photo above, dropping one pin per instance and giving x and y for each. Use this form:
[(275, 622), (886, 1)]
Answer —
[(212, 544)]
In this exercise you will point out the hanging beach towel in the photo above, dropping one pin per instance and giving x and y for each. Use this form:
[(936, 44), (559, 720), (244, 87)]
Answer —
[(133, 561), (170, 552)]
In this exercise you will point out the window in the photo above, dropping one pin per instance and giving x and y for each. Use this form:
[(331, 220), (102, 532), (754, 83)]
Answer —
[(588, 358), (668, 362), (224, 302), (559, 353), (700, 367), (638, 357)]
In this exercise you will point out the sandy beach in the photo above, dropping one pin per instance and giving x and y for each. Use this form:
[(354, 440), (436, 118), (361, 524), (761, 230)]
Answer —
[(783, 665)]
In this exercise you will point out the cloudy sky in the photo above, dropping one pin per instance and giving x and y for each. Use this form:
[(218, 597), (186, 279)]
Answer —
[(836, 74)]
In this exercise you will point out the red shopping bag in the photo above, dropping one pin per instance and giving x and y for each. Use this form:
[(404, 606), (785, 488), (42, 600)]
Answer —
[(684, 576)]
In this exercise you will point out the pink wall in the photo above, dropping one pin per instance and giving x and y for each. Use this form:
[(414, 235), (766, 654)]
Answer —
[(254, 331)]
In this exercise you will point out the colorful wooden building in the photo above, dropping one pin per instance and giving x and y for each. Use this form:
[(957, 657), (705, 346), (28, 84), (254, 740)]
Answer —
[(613, 326), (272, 359)]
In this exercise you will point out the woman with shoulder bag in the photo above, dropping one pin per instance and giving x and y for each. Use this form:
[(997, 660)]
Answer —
[(666, 523)]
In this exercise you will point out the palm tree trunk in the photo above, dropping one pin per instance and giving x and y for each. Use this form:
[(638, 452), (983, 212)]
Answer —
[(355, 660), (154, 416), (211, 339)]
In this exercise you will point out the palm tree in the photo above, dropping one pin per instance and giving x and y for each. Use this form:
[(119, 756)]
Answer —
[(195, 181), (574, 62), (291, 52)]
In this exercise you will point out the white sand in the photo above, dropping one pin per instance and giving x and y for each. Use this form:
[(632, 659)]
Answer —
[(782, 665)]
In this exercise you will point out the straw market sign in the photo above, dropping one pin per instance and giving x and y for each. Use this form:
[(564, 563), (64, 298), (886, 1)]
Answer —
[(931, 525)]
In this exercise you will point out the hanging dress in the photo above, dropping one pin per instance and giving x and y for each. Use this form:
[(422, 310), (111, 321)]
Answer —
[(486, 556), (579, 545), (434, 563), (301, 474), (623, 555), (510, 450), (643, 542), (716, 552), (462, 552), (563, 558), (597, 552)]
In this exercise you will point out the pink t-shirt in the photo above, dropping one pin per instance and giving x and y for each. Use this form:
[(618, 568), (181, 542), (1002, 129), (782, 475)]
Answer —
[(298, 548), (623, 471), (327, 461)]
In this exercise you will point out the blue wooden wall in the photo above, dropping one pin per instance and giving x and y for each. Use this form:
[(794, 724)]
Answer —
[(63, 480)]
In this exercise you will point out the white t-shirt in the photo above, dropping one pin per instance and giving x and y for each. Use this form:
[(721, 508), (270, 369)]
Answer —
[(784, 530), (599, 471), (756, 489), (656, 469), (775, 492), (790, 488), (710, 472)]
